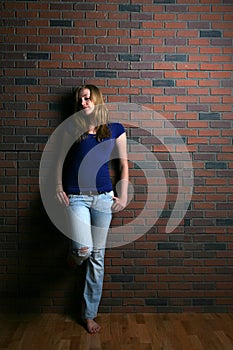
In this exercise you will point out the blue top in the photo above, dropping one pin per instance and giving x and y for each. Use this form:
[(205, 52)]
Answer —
[(86, 165)]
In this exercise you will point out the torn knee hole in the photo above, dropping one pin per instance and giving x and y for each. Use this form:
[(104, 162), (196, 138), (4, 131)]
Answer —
[(84, 251)]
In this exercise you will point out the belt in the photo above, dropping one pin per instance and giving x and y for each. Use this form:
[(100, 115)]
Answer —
[(88, 193)]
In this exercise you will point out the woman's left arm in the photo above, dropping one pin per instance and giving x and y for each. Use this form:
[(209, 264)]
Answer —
[(120, 201)]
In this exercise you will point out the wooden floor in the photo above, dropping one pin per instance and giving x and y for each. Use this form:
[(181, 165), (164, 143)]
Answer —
[(191, 331)]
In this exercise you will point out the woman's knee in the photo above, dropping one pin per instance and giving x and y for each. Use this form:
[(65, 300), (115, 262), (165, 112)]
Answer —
[(81, 254)]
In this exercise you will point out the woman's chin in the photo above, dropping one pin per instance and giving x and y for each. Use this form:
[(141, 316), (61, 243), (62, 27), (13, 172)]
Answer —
[(87, 111)]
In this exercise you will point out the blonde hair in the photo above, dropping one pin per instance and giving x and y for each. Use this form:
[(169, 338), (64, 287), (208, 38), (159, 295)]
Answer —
[(99, 117)]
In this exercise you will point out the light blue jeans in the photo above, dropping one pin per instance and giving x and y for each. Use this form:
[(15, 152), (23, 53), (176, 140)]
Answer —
[(90, 218)]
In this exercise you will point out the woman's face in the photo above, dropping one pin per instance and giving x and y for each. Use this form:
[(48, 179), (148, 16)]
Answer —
[(85, 102)]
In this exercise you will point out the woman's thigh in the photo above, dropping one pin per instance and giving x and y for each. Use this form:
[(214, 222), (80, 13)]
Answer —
[(101, 216), (80, 221)]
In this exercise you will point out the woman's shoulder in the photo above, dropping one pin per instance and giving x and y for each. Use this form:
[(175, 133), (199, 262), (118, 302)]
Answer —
[(116, 129)]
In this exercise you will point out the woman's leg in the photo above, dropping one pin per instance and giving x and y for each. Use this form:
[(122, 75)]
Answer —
[(101, 216), (80, 228)]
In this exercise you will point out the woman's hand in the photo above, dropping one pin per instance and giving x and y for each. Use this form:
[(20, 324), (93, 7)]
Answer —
[(62, 196), (119, 203)]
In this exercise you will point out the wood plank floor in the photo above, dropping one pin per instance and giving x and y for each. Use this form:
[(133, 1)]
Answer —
[(189, 331)]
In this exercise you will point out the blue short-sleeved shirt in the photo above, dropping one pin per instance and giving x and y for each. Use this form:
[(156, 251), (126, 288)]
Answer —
[(86, 165)]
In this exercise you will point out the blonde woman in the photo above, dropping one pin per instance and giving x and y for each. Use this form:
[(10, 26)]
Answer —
[(87, 192)]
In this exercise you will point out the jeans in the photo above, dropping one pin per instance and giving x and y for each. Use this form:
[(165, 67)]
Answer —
[(90, 218)]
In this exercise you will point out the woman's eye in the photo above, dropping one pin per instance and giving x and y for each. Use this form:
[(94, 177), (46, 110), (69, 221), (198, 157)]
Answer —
[(87, 98)]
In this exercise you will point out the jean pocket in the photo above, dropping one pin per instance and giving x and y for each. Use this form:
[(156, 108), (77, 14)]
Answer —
[(109, 195)]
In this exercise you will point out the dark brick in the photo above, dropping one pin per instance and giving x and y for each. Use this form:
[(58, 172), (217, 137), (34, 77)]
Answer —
[(176, 8), (156, 301), (199, 25), (134, 270), (209, 116), (17, 106), (221, 124), (60, 23), (25, 81), (134, 286), (169, 246), (198, 107), (174, 140), (105, 74), (180, 58), (203, 302), (210, 34), (221, 42), (203, 156), (122, 278), (25, 131), (94, 48), (175, 91), (224, 206), (225, 270), (151, 74), (53, 106), (146, 165), (61, 40), (203, 286), (128, 24), (170, 262), (129, 8), (84, 7), (164, 1), (215, 246), (135, 254), (163, 82), (224, 222), (175, 41), (129, 57), (112, 302), (7, 180), (227, 83), (37, 139), (135, 16), (37, 56), (149, 140), (216, 165), (140, 99)]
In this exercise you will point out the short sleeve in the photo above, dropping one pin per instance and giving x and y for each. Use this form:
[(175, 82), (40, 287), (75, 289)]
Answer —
[(117, 129)]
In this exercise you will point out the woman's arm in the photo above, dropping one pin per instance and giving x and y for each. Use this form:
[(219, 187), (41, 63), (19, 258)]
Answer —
[(64, 145), (120, 201)]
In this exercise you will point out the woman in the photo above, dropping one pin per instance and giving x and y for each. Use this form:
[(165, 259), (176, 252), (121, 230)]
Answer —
[(86, 190)]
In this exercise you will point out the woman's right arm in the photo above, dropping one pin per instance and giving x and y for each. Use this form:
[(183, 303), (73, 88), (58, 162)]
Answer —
[(64, 145)]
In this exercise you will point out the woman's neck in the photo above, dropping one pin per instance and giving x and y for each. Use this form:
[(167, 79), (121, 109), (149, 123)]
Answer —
[(92, 129)]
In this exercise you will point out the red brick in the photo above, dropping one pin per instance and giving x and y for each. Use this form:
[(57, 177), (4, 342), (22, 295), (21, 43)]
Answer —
[(164, 65), (220, 9), (202, 8)]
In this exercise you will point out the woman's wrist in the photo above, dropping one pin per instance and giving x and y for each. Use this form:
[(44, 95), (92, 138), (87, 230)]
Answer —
[(59, 188)]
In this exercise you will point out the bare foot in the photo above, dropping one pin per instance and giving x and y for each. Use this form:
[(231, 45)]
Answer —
[(92, 326)]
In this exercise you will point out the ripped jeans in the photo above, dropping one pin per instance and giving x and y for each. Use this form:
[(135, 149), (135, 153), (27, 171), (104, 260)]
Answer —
[(90, 217)]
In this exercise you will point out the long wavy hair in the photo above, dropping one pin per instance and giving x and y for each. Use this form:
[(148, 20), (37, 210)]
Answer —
[(99, 117)]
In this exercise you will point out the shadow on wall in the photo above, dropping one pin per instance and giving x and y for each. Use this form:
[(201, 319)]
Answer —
[(67, 105), (36, 276), (41, 280)]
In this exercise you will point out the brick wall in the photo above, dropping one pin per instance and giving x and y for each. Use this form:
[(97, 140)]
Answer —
[(172, 56)]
